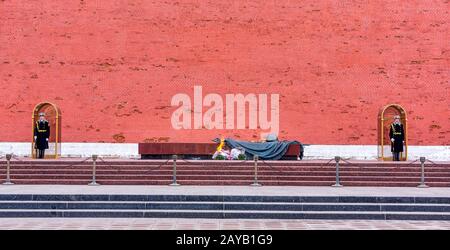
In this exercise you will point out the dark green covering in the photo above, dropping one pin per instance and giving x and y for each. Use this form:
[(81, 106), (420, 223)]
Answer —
[(273, 150)]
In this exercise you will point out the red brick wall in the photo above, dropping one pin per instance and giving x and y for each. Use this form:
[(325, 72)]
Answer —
[(113, 66)]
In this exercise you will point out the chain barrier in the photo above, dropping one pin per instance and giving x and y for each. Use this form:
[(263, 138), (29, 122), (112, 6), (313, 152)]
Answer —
[(432, 162), (422, 161), (337, 159), (346, 161), (30, 164), (341, 159), (426, 160), (280, 171), (267, 164), (102, 160), (16, 158), (412, 162), (337, 184), (76, 163), (159, 166), (191, 162), (202, 163), (327, 162), (94, 183)]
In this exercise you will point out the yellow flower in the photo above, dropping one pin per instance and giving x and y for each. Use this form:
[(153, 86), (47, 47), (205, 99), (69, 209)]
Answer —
[(222, 142)]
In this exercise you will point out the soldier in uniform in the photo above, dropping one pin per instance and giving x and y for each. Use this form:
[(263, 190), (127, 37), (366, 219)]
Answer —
[(397, 135), (41, 135)]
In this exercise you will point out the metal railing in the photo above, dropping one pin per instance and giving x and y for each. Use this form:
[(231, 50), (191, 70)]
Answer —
[(94, 169), (94, 158), (206, 163), (174, 172), (338, 182), (422, 171), (8, 170), (255, 175)]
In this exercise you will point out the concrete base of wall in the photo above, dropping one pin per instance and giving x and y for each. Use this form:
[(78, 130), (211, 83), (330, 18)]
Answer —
[(130, 150)]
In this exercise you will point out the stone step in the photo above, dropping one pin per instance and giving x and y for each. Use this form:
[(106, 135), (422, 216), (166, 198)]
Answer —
[(209, 172), (224, 198), (227, 182), (261, 177), (221, 172), (291, 206), (229, 167), (220, 214), (125, 162)]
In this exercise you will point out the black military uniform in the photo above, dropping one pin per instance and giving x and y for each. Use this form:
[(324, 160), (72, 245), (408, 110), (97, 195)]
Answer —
[(41, 135), (398, 134)]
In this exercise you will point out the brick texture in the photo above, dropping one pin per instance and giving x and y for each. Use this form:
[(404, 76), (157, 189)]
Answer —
[(113, 66)]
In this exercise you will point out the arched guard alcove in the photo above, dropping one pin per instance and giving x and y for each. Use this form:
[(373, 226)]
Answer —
[(385, 119), (53, 116)]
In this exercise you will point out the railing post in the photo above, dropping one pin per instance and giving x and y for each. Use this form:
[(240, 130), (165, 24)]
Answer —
[(8, 168), (174, 176), (422, 174), (94, 169), (337, 184), (255, 179)]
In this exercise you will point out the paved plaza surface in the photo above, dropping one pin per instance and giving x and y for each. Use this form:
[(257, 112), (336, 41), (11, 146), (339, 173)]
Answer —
[(212, 224), (226, 190)]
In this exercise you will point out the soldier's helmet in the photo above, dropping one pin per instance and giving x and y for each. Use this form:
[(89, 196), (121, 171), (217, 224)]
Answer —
[(42, 114)]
